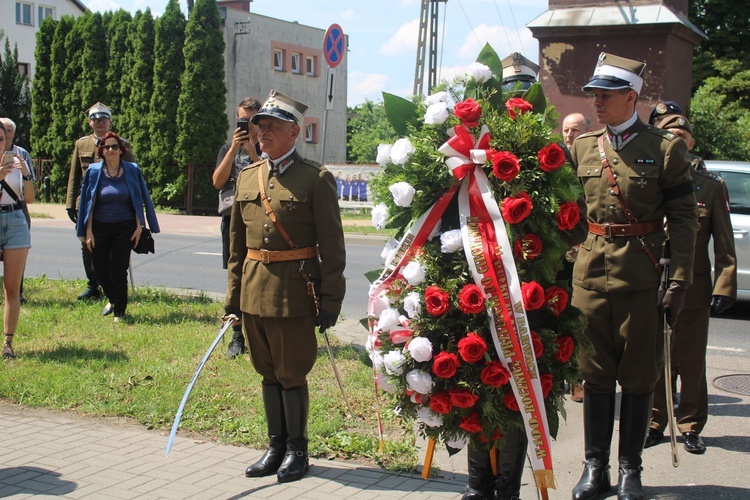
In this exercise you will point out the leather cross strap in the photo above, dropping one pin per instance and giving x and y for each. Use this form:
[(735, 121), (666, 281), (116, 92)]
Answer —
[(628, 213), (609, 230), (268, 256), (269, 210)]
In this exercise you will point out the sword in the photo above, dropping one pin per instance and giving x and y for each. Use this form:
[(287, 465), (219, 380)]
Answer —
[(668, 362), (177, 417)]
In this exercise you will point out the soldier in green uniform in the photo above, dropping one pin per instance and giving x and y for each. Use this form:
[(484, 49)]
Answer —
[(690, 334), (285, 240), (84, 154), (633, 175)]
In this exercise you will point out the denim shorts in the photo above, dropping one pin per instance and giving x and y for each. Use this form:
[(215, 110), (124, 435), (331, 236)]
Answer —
[(14, 231)]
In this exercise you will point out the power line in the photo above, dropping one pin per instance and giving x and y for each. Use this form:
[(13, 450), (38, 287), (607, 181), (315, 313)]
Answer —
[(469, 23)]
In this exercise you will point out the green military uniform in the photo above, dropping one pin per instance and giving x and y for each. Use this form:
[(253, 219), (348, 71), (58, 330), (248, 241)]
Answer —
[(274, 295), (690, 335)]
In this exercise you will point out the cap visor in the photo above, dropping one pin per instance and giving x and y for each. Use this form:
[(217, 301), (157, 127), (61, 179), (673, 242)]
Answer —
[(273, 113), (98, 115), (609, 83)]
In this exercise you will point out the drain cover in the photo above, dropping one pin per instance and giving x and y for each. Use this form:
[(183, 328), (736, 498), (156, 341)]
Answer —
[(736, 384)]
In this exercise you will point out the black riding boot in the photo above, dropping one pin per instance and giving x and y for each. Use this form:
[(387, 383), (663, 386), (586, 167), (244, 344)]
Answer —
[(481, 480), (635, 415), (271, 460), (598, 423), (510, 465), (237, 344), (297, 407)]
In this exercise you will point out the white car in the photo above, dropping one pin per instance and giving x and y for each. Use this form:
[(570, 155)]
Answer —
[(736, 175)]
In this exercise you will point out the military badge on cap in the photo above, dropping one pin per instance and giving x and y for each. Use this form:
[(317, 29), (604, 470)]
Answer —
[(664, 108), (668, 122), (280, 106), (99, 110), (614, 73)]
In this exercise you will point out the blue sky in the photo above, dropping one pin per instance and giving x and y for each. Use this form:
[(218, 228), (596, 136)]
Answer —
[(383, 34)]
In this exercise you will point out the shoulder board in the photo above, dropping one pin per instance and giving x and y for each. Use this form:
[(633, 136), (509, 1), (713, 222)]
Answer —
[(710, 175), (312, 163), (666, 134), (592, 133), (252, 165)]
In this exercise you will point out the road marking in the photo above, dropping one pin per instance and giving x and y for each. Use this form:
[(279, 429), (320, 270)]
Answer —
[(208, 253), (730, 349)]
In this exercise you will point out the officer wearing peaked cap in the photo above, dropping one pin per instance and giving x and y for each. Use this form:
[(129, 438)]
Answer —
[(666, 108), (690, 335), (84, 154), (634, 176), (519, 73), (286, 241)]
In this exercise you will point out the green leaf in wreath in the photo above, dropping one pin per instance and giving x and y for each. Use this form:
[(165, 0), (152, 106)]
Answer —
[(489, 58), (373, 275), (400, 113), (366, 324), (535, 95)]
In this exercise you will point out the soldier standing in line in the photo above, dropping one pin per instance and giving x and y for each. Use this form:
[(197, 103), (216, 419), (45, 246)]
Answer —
[(633, 176), (286, 276), (690, 334), (84, 154)]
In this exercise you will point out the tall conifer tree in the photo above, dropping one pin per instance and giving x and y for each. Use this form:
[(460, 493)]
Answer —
[(116, 41), (42, 137), (15, 96), (141, 76), (61, 147)]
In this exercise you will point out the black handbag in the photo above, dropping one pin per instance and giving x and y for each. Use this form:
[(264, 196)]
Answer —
[(145, 243)]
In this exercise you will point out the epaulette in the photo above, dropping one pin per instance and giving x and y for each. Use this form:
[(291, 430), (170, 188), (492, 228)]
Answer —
[(592, 133), (710, 175), (257, 163), (312, 163)]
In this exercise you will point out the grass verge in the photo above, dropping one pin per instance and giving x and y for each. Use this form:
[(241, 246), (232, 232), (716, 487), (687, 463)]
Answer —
[(70, 357)]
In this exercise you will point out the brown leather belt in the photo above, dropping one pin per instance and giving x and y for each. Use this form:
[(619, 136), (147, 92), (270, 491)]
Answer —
[(268, 256), (614, 230)]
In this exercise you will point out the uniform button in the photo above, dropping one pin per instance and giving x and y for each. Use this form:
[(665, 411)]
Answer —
[(612, 192), (270, 186), (643, 173), (265, 240), (266, 227), (612, 208), (596, 170), (269, 199), (266, 213), (291, 197), (614, 176), (588, 172), (615, 161)]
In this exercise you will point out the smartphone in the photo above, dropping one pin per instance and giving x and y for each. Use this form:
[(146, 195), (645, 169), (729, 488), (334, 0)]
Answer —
[(244, 125), (8, 157)]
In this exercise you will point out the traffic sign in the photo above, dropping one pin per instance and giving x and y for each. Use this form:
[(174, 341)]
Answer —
[(334, 45)]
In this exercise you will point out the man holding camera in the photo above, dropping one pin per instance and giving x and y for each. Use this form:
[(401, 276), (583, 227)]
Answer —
[(233, 157), (84, 154)]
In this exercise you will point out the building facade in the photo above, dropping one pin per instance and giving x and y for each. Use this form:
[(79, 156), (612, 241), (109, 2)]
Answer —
[(264, 53), (21, 26)]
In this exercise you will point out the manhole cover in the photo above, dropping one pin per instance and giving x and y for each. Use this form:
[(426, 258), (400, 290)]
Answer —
[(736, 384)]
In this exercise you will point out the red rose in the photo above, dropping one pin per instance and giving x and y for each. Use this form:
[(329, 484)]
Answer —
[(510, 401), (556, 300), (536, 341), (468, 112), (516, 106), (533, 295), (529, 247), (436, 301), (505, 165), (565, 348), (445, 364), (441, 403), (471, 299), (517, 208), (463, 398), (472, 347), (547, 383), (494, 374), (471, 423), (551, 157), (568, 216)]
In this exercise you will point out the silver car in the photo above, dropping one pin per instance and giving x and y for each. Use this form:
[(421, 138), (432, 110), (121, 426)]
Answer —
[(736, 175)]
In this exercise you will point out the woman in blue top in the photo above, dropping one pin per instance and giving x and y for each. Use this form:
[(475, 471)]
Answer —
[(111, 218)]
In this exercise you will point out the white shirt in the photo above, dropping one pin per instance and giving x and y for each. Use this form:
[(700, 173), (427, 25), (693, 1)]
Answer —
[(15, 181)]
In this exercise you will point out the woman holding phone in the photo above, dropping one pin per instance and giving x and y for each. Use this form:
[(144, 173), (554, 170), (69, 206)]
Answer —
[(15, 238), (111, 218)]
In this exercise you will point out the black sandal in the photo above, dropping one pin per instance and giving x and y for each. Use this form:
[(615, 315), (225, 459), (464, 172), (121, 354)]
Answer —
[(8, 352)]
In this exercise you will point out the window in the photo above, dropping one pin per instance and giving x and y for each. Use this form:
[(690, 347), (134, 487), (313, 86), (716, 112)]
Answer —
[(43, 12), (295, 63), (23, 69), (310, 65), (278, 59), (23, 13), (311, 133)]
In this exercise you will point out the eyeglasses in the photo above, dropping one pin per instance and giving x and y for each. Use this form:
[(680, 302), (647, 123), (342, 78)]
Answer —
[(111, 147)]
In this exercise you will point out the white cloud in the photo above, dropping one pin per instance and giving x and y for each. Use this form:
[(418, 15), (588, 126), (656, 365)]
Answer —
[(362, 86), (103, 5), (348, 14), (496, 36), (403, 42)]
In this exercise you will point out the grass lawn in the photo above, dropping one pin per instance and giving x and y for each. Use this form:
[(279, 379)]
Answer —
[(70, 357)]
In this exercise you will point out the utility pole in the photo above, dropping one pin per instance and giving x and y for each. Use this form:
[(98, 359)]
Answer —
[(428, 15)]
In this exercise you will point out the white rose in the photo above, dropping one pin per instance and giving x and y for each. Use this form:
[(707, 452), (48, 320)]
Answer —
[(388, 319), (384, 154), (437, 97), (412, 304), (389, 250), (380, 304), (429, 417), (379, 216), (436, 114), (413, 273), (403, 193), (384, 383), (480, 72), (420, 349), (394, 362), (458, 443), (419, 381), (377, 360), (451, 241), (401, 150)]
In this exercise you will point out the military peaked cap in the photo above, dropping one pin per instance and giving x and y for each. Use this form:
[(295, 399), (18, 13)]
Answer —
[(614, 72)]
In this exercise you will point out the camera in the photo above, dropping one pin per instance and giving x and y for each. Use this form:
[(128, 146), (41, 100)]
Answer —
[(244, 125), (8, 157)]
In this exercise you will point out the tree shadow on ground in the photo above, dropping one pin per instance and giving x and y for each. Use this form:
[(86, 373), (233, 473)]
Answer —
[(33, 481)]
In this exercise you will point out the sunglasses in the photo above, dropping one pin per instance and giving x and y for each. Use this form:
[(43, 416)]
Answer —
[(111, 147)]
